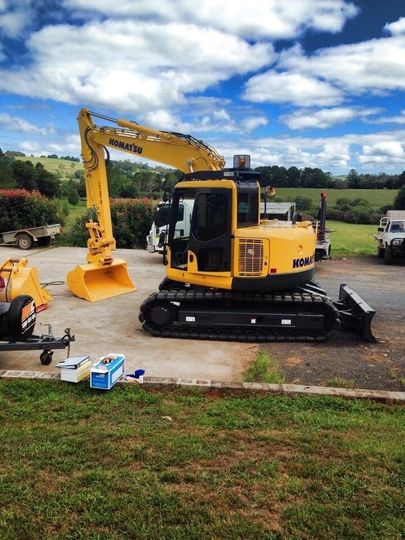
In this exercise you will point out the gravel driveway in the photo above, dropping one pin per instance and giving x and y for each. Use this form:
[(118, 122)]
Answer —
[(346, 359)]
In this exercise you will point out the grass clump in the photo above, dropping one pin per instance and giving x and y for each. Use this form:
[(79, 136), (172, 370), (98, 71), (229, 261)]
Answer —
[(340, 382), (264, 369)]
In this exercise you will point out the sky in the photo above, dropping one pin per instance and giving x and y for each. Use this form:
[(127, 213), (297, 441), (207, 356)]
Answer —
[(305, 83)]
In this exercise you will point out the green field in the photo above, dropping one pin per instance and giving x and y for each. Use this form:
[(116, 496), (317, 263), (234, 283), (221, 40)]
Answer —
[(376, 197), (350, 239), (178, 464), (61, 167)]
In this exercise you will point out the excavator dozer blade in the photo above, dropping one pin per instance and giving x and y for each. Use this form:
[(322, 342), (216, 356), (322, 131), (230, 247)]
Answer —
[(94, 282), (355, 313), (20, 280)]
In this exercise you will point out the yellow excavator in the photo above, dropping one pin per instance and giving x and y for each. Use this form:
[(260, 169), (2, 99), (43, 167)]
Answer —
[(231, 276)]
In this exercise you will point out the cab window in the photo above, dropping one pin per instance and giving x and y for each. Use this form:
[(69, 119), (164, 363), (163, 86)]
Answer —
[(210, 216)]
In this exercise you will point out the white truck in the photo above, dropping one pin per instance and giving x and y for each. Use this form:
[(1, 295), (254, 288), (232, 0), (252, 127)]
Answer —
[(157, 238), (391, 236)]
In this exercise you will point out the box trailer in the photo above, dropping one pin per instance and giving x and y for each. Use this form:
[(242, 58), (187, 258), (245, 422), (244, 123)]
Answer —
[(29, 237)]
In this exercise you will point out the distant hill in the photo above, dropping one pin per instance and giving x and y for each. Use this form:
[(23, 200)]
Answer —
[(62, 167)]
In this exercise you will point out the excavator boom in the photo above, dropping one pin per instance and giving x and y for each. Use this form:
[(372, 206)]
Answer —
[(103, 277)]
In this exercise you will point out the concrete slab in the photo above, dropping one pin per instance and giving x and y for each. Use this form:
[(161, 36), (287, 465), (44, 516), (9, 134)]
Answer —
[(112, 325)]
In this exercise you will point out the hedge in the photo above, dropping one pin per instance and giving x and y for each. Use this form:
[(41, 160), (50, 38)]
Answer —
[(20, 209), (131, 221)]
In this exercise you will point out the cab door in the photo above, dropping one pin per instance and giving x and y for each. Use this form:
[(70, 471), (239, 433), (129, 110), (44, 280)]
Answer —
[(210, 232)]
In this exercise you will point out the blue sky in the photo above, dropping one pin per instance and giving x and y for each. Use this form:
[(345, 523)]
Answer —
[(316, 83)]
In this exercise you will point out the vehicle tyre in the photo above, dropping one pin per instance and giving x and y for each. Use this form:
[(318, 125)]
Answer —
[(24, 241), (21, 318), (380, 252), (388, 258)]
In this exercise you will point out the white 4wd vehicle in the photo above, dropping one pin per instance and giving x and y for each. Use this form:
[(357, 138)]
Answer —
[(391, 236)]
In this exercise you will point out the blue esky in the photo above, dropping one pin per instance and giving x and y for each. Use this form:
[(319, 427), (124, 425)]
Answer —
[(316, 83)]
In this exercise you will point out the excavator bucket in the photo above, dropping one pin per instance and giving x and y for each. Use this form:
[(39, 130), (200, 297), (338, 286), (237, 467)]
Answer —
[(20, 279), (94, 282)]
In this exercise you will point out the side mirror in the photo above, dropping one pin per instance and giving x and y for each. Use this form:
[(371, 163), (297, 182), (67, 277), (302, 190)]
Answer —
[(380, 229)]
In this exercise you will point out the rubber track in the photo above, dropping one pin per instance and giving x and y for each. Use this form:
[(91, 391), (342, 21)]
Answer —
[(234, 333)]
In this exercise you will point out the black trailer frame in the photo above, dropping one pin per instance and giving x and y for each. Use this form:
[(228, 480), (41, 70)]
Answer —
[(45, 343)]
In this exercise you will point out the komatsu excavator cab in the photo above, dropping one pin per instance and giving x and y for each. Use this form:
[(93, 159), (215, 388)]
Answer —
[(211, 216), (228, 246)]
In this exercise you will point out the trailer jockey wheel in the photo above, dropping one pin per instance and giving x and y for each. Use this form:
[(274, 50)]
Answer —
[(46, 357), (21, 318)]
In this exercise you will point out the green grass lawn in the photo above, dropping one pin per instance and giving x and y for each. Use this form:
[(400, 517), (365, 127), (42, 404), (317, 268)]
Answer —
[(351, 239), (136, 463), (376, 197)]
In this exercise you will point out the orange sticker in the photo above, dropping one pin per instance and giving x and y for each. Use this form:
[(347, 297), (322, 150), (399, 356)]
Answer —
[(26, 311)]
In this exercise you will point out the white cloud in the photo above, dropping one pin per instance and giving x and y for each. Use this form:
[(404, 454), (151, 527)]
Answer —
[(258, 19), (376, 65), (389, 149), (294, 88), (386, 153), (13, 17), (12, 23), (221, 115), (253, 122), (336, 154), (397, 27), (70, 144), (20, 125), (150, 66), (398, 119), (325, 118)]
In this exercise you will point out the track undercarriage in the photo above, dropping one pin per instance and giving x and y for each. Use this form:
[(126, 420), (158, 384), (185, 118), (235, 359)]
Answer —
[(304, 314)]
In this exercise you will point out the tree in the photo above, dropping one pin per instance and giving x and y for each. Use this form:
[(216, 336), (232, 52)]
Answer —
[(6, 171), (293, 175), (24, 175), (313, 178), (73, 197), (353, 179), (399, 201), (48, 184)]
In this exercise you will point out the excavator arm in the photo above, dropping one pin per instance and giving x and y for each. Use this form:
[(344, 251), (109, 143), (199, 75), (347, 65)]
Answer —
[(104, 277)]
